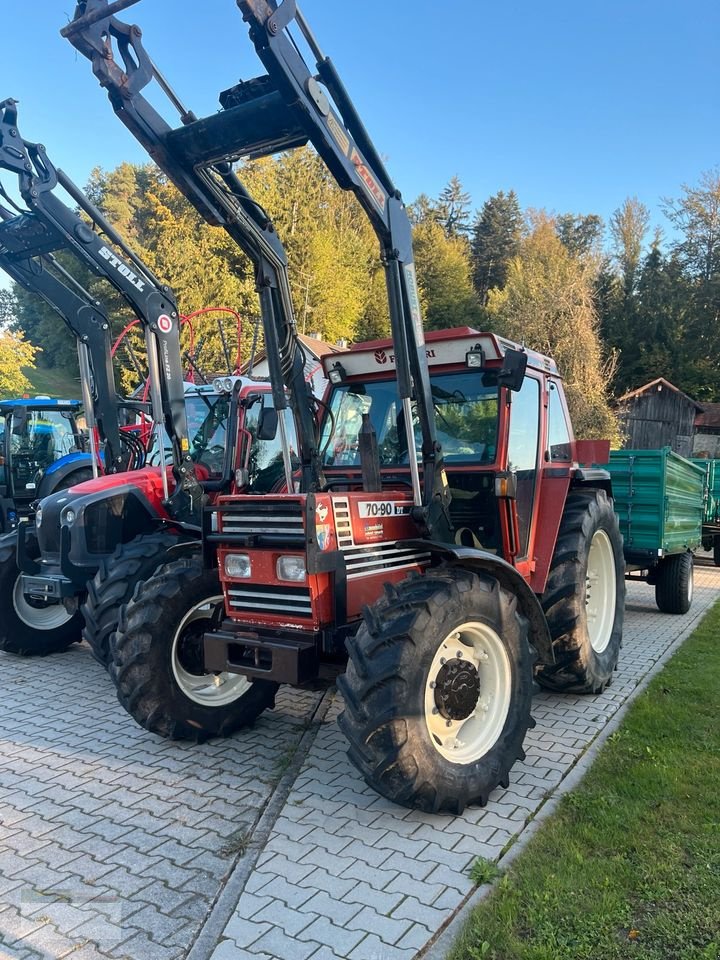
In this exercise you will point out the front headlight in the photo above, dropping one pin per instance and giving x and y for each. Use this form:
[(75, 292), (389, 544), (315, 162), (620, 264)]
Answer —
[(291, 568), (38, 516), (68, 517), (237, 565)]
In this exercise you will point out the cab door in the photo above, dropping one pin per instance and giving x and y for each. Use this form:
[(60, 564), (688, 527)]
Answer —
[(522, 463)]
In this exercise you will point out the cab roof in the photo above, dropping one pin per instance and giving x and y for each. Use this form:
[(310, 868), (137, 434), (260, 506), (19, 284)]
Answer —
[(39, 403), (444, 347)]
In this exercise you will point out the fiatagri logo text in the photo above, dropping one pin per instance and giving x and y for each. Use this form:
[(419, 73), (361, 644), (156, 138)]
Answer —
[(382, 356)]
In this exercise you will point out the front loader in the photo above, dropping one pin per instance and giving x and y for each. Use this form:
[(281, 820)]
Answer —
[(447, 534), (67, 571)]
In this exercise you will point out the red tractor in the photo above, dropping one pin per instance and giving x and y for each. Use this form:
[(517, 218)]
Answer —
[(446, 532)]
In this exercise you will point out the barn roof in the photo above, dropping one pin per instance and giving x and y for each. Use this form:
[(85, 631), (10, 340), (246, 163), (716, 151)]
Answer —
[(710, 416), (314, 345), (660, 383)]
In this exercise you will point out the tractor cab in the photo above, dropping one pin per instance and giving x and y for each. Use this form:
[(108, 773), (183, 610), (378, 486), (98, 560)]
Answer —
[(502, 423), (43, 450)]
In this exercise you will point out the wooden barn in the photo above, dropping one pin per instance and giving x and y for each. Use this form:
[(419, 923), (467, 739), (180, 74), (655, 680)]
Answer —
[(658, 415), (707, 431)]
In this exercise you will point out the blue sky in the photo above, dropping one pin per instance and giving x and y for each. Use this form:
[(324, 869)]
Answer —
[(575, 105)]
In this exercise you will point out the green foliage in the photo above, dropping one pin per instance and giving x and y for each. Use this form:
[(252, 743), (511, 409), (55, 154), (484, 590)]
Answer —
[(547, 303), (629, 866), (443, 270), (628, 227), (483, 871), (661, 312), (580, 233), (453, 209), (496, 236)]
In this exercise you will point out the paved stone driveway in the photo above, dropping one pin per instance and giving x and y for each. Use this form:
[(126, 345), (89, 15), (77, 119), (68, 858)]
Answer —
[(116, 844)]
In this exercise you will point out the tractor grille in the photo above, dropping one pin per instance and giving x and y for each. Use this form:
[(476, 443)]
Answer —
[(364, 561), (276, 521), (269, 599), (343, 523)]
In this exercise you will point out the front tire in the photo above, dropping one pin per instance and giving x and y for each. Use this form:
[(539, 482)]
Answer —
[(30, 628), (157, 659), (114, 585), (585, 596), (438, 690), (674, 583)]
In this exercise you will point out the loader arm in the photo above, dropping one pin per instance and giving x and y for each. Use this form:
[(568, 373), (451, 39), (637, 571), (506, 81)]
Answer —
[(50, 225), (88, 322), (278, 111)]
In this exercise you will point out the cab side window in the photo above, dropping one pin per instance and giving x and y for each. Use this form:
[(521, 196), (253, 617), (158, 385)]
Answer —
[(558, 432), (522, 453)]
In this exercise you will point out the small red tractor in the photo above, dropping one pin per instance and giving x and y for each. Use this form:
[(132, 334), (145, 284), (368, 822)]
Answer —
[(445, 532)]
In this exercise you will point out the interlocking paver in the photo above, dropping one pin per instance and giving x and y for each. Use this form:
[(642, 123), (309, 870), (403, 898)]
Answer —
[(111, 838), (87, 798)]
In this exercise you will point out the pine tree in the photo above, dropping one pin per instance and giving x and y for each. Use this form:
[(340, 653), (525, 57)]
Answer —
[(453, 208), (496, 235), (580, 233)]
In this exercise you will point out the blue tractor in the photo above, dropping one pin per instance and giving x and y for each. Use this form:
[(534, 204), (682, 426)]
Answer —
[(44, 447)]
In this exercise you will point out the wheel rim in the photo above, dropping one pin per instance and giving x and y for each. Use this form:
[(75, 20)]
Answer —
[(600, 591), (205, 689), (44, 616), (466, 707)]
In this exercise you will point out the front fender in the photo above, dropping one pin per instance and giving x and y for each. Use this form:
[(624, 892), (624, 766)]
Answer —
[(58, 472), (508, 577)]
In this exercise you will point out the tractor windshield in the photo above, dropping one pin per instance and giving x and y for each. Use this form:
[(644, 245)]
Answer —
[(466, 414), (207, 417), (37, 439)]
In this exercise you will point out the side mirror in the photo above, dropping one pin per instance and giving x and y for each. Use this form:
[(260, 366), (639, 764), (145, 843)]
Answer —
[(513, 369), (267, 423)]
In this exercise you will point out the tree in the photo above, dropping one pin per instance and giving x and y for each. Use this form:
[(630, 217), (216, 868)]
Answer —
[(496, 235), (547, 303), (8, 308), (15, 353), (696, 215), (444, 278), (453, 208), (33, 319), (580, 233), (423, 208), (628, 227)]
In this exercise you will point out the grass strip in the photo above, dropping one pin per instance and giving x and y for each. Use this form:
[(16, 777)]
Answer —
[(629, 866)]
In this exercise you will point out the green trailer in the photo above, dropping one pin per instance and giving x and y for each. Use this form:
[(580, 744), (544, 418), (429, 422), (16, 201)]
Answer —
[(659, 500), (711, 507)]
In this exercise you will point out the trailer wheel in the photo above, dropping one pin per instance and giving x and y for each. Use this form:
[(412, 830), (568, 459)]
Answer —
[(157, 662), (30, 628), (438, 689), (585, 596), (114, 584), (674, 583), (716, 550)]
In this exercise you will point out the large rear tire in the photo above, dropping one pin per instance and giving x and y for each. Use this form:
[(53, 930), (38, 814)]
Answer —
[(157, 663), (716, 550), (438, 689), (585, 596), (674, 583), (114, 585), (30, 628)]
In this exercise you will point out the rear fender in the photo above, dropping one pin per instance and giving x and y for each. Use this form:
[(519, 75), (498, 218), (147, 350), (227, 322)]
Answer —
[(507, 576)]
